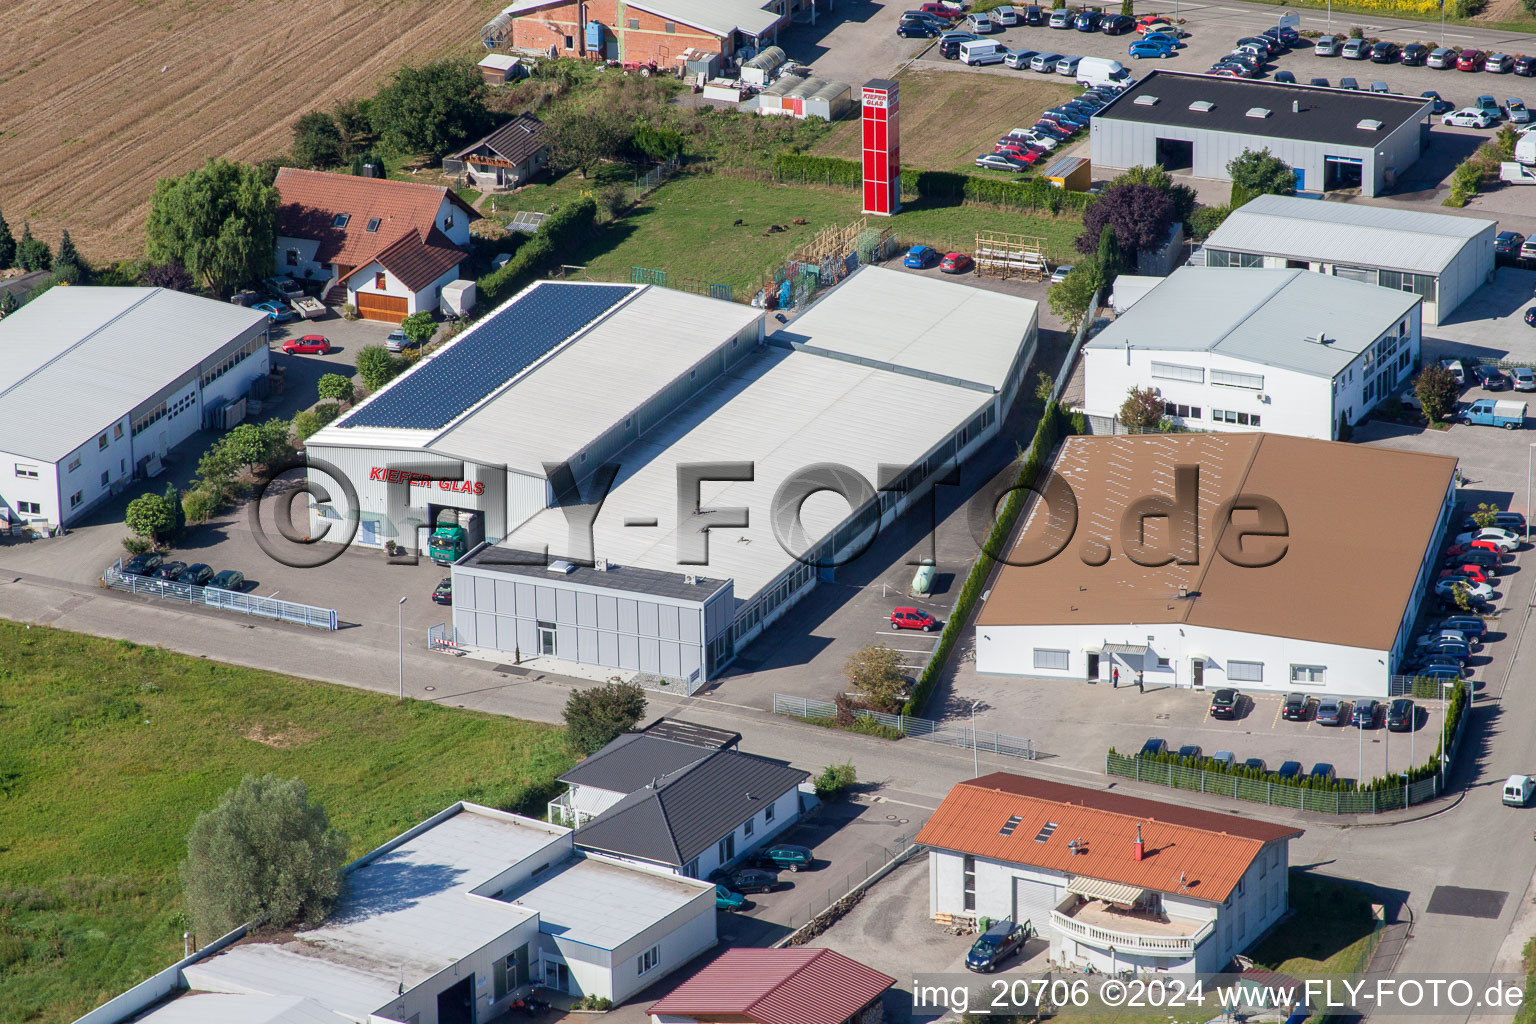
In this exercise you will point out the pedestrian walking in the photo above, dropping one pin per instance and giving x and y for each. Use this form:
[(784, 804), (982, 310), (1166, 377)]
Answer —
[(1116, 678), (1138, 684)]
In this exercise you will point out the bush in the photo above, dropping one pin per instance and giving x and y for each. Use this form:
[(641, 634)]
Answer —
[(596, 716), (377, 367), (334, 386), (1204, 222), (153, 517), (309, 422), (835, 778), (876, 675), (200, 504), (265, 853), (1031, 194), (557, 236), (137, 545)]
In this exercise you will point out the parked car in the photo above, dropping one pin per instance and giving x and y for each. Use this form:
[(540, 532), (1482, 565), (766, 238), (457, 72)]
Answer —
[(1143, 48), (1489, 378), (1349, 83), (168, 571), (278, 313), (1045, 62), (1524, 65), (443, 592), (1256, 764), (996, 944), (949, 43), (1285, 77), (1440, 58), (1330, 711), (1365, 713), (1060, 273), (981, 24), (1380, 87), (1414, 55), (1488, 104), (310, 344), (1528, 250), (1061, 18), (1437, 104), (1469, 117), (944, 11), (1191, 750), (1476, 592), (787, 855), (1385, 52), (1038, 139), (227, 579), (1510, 522), (1471, 60), (913, 618), (1263, 45), (1508, 540), (1289, 771), (923, 16), (1321, 82), (1507, 243), (1530, 317), (1469, 625), (197, 574), (998, 162), (1007, 17), (1445, 673), (1225, 758), (1469, 574), (1068, 66), (955, 263), (397, 341), (1518, 790), (1516, 112), (912, 28), (1154, 746), (1498, 63), (1295, 707), (1225, 702), (1456, 369), (920, 256), (750, 880), (1087, 21), (1116, 24), (1019, 59), (1326, 46), (1356, 49), (1322, 770), (728, 899), (142, 565), (1401, 715), (1034, 14)]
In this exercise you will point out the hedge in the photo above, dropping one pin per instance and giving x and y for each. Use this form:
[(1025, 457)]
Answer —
[(1056, 422), (556, 238), (1031, 193)]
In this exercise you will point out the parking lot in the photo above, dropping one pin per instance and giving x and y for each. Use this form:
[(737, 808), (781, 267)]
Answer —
[(1490, 326)]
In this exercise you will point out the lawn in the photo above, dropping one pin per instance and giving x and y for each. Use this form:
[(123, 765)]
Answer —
[(112, 749), (1330, 931), (945, 125), (688, 227)]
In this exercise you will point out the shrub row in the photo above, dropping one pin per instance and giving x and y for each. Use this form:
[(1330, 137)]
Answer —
[(1032, 193), (556, 238), (1056, 422)]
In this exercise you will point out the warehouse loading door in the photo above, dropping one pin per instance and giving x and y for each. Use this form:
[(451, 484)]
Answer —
[(1033, 901), (1341, 172), (1176, 154)]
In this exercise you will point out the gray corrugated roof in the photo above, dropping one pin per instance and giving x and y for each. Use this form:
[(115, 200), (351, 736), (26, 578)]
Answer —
[(1263, 316), (719, 17), (687, 812), (534, 567), (632, 761), (80, 358), (1368, 236)]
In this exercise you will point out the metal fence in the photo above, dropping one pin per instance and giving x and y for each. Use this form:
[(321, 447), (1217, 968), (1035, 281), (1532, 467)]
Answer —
[(226, 600), (654, 177), (1267, 791), (915, 728), (816, 892)]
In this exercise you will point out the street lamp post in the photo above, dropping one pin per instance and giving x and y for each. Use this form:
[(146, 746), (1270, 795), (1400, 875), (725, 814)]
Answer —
[(401, 610), (1360, 764), (975, 754), (1528, 452)]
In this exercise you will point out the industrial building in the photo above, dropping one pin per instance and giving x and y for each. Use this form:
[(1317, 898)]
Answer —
[(793, 96), (1440, 258), (99, 384), (449, 923), (1112, 882), (1195, 124), (1195, 560), (756, 486), (1286, 351), (642, 31)]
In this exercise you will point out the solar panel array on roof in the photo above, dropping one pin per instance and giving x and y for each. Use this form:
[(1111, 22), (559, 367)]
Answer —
[(485, 358)]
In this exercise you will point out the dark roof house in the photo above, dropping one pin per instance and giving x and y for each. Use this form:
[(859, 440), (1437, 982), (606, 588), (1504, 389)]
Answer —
[(775, 986), (507, 157)]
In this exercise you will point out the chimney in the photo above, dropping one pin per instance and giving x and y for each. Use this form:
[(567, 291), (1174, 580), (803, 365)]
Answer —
[(1138, 848), (1295, 106)]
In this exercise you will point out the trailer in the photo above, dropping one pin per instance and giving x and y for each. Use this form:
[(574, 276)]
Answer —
[(308, 307), (1495, 412), (1512, 173)]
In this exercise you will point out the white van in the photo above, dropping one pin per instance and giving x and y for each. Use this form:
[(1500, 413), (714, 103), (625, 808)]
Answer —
[(1518, 789), (1092, 71), (1456, 370), (981, 51)]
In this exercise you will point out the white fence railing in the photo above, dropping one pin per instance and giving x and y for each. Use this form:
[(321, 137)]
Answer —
[(1131, 942), (915, 728), (225, 600)]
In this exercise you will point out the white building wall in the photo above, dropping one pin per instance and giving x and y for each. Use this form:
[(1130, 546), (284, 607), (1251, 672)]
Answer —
[(87, 474), (680, 937), (34, 483), (304, 266), (1349, 671), (361, 282), (397, 511), (453, 222), (420, 1003), (786, 810)]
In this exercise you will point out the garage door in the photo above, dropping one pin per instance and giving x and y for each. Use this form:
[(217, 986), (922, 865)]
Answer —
[(1033, 901), (381, 307)]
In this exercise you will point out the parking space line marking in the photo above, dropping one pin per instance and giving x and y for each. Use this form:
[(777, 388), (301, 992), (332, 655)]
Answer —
[(911, 650), (894, 632)]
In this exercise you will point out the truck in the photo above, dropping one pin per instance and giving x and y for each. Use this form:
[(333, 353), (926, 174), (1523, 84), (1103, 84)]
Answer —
[(1522, 169), (454, 533), (1495, 412)]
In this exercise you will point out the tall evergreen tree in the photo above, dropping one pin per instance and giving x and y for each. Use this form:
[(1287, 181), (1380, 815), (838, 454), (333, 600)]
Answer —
[(32, 253), (7, 245), (68, 267)]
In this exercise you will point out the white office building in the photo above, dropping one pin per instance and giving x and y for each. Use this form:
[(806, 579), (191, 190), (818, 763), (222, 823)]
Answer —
[(1285, 351)]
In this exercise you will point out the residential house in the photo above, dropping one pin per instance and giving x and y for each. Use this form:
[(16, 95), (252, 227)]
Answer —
[(1113, 882), (506, 158), (777, 986), (684, 808), (382, 246)]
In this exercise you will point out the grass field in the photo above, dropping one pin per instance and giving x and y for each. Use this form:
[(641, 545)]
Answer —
[(102, 97), (687, 227), (112, 749), (1330, 932), (945, 124)]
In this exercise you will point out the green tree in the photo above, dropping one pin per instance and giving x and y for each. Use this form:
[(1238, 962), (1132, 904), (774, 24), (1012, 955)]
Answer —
[(1436, 389), (172, 499), (266, 853), (432, 109), (32, 253), (1045, 384), (598, 715), (419, 328), (1262, 173), (8, 303), (584, 137), (199, 504), (377, 367), (334, 386), (657, 141), (1071, 297), (1108, 257), (152, 516), (219, 221), (1206, 220), (1183, 197), (835, 778), (68, 267), (316, 141), (308, 422), (354, 124), (1128, 8), (1462, 595), (7, 245), (1142, 409), (875, 674), (1486, 515)]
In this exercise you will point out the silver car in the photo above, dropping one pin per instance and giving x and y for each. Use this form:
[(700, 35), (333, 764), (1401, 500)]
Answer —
[(1327, 46), (397, 341), (1044, 62), (1068, 65), (1525, 378), (1441, 57)]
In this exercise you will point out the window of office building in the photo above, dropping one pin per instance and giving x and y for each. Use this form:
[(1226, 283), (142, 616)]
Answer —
[(1178, 371), (1245, 671)]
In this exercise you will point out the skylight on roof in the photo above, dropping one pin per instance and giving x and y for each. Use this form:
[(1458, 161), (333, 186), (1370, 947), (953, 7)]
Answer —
[(1257, 112), (1202, 106), (1009, 825), (340, 220), (1046, 831), (1369, 125), (1146, 101), (373, 223)]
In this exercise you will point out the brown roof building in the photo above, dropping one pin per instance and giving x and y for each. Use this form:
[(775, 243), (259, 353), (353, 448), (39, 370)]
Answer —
[(1198, 597), (1110, 880), (776, 986)]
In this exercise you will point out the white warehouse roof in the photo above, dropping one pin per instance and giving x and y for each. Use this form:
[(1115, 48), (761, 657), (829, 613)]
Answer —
[(1263, 316), (930, 325), (79, 358), (1352, 233)]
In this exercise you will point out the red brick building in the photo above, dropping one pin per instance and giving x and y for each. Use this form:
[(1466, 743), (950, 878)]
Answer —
[(646, 30)]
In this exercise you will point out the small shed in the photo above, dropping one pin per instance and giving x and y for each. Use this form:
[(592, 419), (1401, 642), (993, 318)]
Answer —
[(699, 64), (501, 68), (1073, 173), (458, 297), (759, 70), (791, 96)]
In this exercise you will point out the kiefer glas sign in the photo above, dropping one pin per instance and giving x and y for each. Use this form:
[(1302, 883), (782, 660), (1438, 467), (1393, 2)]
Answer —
[(400, 476), (880, 129)]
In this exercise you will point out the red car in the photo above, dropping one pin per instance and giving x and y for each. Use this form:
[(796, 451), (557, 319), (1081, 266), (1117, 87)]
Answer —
[(942, 11), (310, 344), (1474, 571), (1478, 545), (911, 618), (954, 263), (1022, 152), (1470, 60)]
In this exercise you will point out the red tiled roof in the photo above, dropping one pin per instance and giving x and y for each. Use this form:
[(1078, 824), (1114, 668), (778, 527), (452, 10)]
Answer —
[(1188, 851), (311, 200), (777, 986), (416, 263)]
